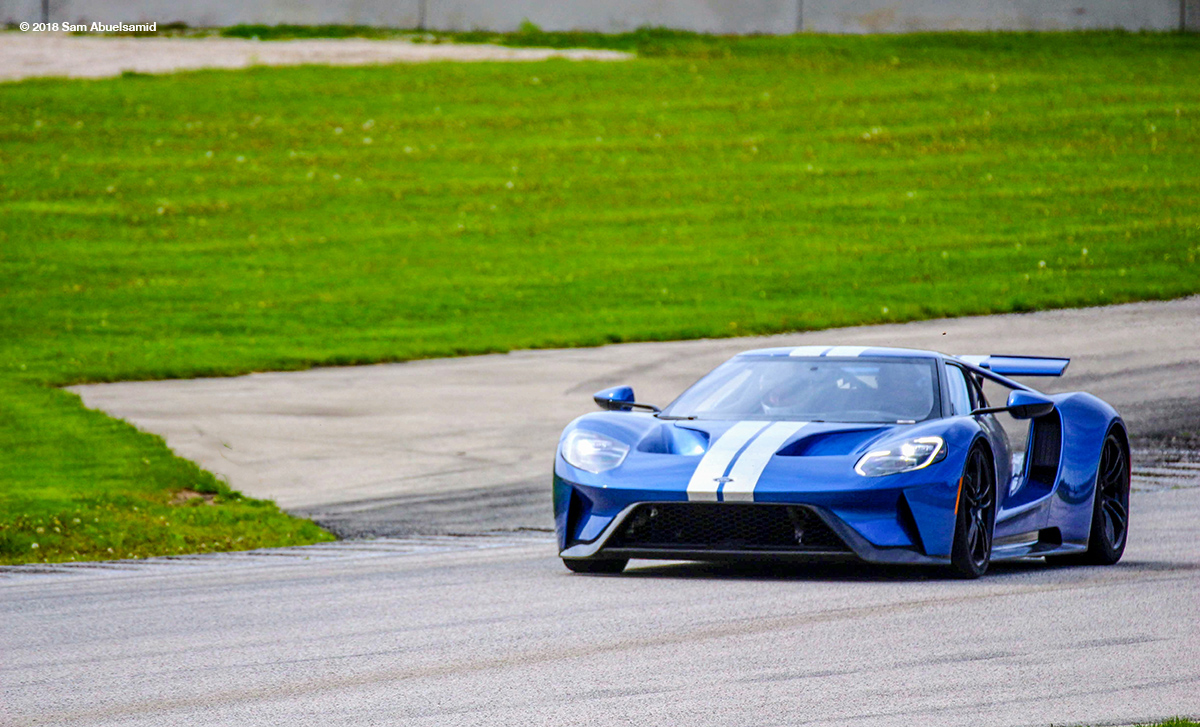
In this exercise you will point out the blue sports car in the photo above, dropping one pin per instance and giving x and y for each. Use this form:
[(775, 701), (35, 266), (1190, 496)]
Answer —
[(885, 455)]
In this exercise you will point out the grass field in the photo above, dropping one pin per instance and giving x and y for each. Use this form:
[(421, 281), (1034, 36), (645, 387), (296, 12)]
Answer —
[(214, 223)]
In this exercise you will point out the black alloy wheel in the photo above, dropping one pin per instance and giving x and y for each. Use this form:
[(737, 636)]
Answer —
[(606, 565), (975, 516), (1110, 509)]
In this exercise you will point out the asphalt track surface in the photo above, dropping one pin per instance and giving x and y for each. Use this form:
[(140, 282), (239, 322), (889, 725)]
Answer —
[(477, 630), (490, 629)]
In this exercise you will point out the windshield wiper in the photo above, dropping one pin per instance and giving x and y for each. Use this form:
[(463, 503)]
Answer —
[(667, 416)]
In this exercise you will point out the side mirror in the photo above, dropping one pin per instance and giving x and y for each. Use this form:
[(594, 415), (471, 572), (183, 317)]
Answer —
[(619, 398), (1028, 405)]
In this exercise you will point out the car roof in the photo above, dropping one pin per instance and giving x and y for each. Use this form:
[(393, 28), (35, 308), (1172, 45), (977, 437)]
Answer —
[(843, 352)]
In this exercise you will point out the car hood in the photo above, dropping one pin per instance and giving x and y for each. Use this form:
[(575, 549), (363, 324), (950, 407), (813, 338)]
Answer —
[(648, 435)]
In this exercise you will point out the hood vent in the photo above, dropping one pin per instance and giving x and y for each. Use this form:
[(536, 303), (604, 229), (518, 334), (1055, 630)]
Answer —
[(831, 444), (672, 439)]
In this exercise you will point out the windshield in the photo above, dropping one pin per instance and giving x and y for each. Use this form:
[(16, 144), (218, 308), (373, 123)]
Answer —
[(813, 389)]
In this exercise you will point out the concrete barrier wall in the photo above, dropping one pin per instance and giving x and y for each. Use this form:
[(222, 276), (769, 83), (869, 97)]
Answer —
[(218, 13), (900, 16), (18, 11), (704, 16), (1190, 15), (710, 16)]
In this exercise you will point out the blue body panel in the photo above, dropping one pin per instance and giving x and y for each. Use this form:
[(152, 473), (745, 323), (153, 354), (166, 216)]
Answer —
[(908, 517), (1086, 421)]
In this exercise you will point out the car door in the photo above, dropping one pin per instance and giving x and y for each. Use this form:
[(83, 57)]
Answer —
[(965, 397)]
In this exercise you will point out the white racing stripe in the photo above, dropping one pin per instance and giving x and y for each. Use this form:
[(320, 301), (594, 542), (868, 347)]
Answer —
[(808, 350), (847, 351), (749, 467), (703, 485)]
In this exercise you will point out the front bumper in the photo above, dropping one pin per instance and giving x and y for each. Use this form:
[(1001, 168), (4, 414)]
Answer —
[(607, 545), (895, 523)]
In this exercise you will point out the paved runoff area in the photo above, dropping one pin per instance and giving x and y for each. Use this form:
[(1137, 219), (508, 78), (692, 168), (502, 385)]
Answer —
[(466, 445), (32, 55), (425, 627)]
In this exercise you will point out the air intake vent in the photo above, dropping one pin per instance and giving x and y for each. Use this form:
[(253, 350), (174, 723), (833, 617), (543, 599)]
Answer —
[(726, 526)]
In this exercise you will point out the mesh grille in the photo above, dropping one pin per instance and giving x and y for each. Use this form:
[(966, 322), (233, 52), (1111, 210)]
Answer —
[(724, 526)]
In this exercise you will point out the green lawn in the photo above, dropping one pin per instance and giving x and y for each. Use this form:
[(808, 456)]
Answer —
[(215, 223)]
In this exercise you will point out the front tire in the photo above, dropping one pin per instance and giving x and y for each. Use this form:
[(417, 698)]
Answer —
[(1110, 509), (607, 565), (975, 516)]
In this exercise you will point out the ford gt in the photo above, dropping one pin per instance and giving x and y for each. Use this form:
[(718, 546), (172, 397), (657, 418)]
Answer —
[(883, 455)]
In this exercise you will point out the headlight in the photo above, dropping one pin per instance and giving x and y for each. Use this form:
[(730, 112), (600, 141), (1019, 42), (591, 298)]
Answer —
[(912, 455), (593, 452)]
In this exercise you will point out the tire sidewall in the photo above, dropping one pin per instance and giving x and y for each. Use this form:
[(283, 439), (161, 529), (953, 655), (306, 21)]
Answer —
[(1099, 548), (601, 566), (961, 561)]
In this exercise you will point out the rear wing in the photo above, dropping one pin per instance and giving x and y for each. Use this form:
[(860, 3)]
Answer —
[(1019, 365)]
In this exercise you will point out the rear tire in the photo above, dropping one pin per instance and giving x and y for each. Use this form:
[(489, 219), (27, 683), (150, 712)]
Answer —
[(975, 516), (1110, 509), (607, 565)]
